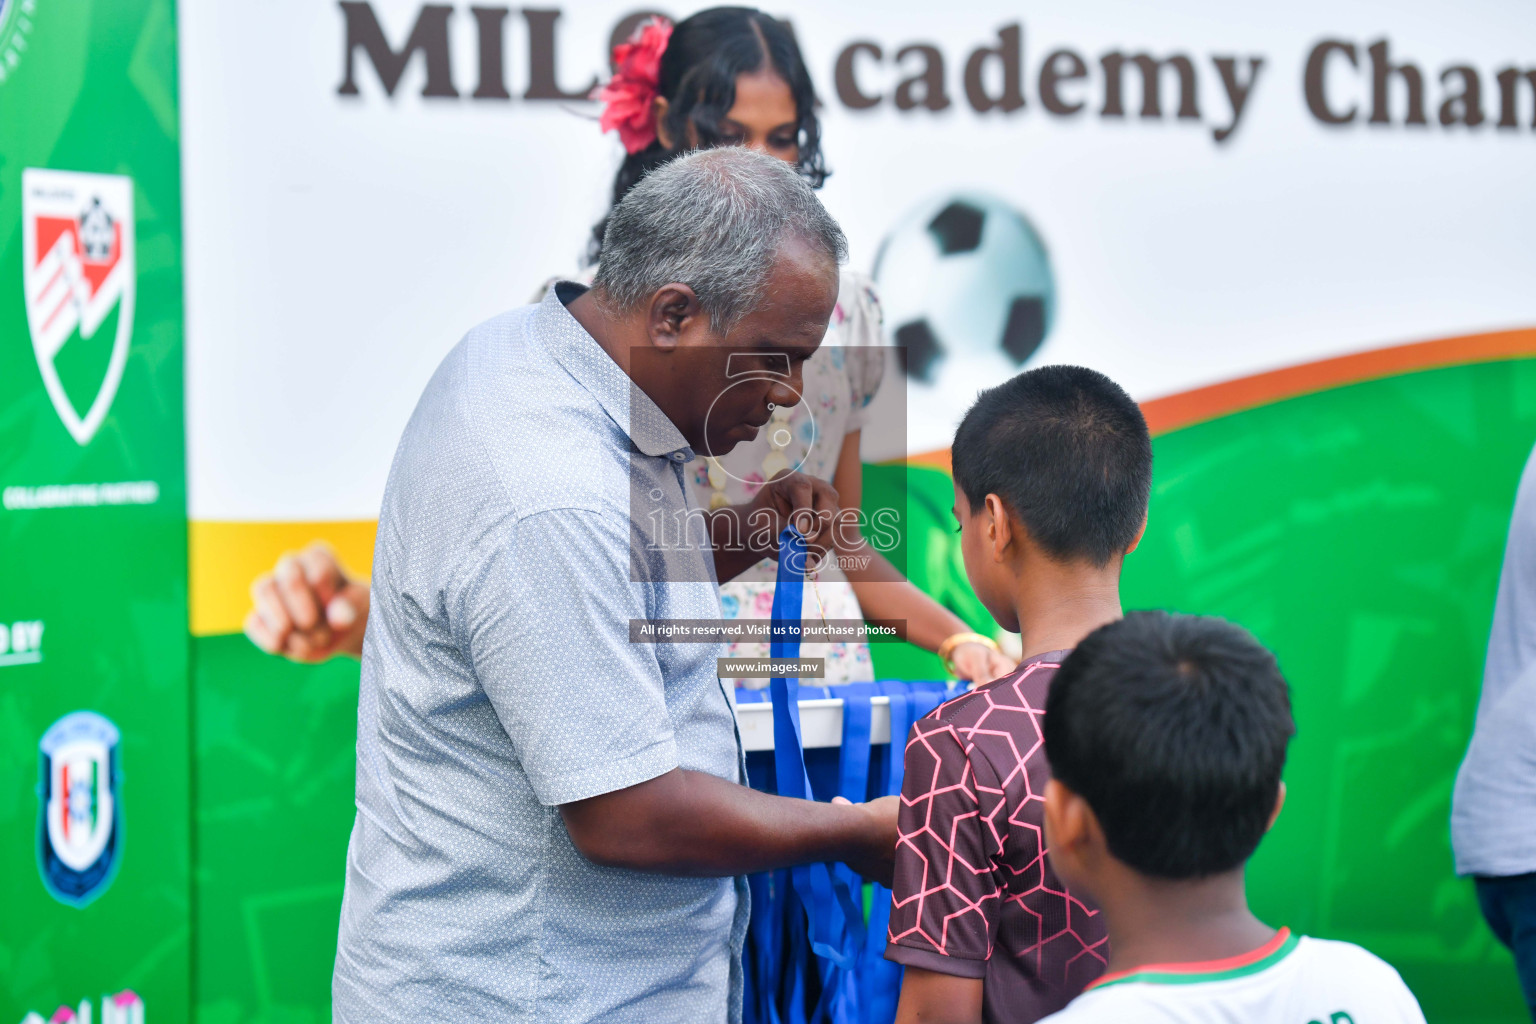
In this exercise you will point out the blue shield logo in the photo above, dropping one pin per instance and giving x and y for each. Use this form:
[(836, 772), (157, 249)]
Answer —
[(79, 831)]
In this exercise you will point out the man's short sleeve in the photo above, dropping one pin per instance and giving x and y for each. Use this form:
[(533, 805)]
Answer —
[(946, 895), (546, 615)]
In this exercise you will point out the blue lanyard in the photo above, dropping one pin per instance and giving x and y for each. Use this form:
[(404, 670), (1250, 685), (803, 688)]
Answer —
[(857, 983), (831, 902)]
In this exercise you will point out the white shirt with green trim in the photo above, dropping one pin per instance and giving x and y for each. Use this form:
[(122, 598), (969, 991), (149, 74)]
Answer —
[(1289, 980)]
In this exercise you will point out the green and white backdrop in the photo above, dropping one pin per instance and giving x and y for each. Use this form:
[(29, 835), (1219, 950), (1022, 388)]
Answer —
[(236, 238)]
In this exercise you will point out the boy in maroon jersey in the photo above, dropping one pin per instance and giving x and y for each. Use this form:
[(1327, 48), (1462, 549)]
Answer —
[(1052, 471)]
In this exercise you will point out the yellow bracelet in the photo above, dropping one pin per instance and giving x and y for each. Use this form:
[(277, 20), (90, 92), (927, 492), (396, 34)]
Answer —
[(947, 648)]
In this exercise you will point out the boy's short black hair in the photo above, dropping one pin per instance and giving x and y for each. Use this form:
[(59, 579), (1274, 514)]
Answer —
[(1174, 729), (1068, 452)]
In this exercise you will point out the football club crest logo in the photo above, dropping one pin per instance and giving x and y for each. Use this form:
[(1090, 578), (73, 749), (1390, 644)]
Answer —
[(80, 832), (78, 275)]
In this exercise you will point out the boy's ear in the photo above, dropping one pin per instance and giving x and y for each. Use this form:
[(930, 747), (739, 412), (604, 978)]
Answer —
[(1072, 836), (999, 527), (1063, 819), (1139, 534), (1274, 815)]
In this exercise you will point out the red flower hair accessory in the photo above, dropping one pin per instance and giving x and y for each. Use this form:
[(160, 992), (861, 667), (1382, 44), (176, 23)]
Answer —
[(631, 93)]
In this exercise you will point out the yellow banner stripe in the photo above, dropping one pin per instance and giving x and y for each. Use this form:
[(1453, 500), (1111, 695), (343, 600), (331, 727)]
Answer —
[(224, 558)]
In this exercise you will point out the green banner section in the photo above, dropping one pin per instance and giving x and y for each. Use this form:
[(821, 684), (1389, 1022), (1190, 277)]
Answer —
[(276, 756), (95, 876), (1358, 532)]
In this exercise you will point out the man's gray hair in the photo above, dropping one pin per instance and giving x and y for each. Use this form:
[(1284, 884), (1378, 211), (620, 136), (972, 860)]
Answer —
[(714, 220)]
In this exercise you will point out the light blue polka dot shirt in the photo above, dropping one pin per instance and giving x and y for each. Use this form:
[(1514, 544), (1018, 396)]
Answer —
[(499, 682)]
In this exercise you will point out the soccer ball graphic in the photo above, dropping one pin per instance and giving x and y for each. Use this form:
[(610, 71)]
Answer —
[(96, 233), (967, 290)]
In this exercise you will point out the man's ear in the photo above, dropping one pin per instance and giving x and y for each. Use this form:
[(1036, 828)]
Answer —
[(1274, 815), (1139, 534), (672, 309), (1000, 532)]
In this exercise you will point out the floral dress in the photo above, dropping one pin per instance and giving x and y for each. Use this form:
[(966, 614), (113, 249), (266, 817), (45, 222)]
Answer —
[(840, 381)]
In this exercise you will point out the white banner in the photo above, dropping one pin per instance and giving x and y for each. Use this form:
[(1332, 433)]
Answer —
[(1304, 181)]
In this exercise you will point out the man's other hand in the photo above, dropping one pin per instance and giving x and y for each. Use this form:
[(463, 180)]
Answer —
[(878, 862), (692, 823), (307, 609)]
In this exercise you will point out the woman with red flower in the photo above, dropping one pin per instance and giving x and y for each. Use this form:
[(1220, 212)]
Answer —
[(735, 76), (724, 76)]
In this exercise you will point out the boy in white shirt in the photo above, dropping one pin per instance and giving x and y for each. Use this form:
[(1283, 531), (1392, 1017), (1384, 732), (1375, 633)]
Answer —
[(1166, 736)]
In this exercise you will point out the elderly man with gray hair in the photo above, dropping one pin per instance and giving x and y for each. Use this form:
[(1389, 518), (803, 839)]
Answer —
[(551, 821)]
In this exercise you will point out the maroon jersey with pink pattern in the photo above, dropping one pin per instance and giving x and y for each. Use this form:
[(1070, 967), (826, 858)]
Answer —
[(974, 895)]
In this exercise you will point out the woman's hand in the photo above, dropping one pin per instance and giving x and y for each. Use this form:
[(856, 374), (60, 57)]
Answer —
[(306, 609), (980, 663)]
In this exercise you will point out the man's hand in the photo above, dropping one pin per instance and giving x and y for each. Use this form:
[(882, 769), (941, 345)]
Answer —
[(878, 862), (743, 535), (806, 502), (306, 609)]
